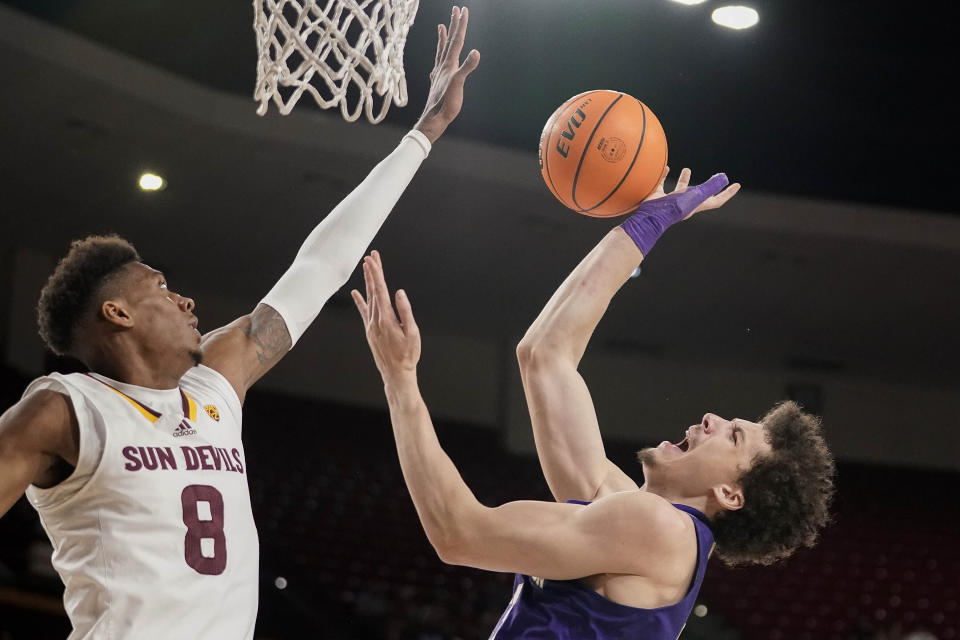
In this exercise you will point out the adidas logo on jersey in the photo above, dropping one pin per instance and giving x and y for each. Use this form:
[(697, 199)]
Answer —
[(183, 429)]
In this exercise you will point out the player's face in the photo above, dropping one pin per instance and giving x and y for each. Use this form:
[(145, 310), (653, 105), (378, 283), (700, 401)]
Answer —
[(163, 319), (715, 452)]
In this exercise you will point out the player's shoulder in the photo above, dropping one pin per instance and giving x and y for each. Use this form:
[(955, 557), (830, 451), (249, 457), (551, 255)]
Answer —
[(654, 520), (42, 402), (50, 393), (40, 420), (57, 381), (655, 538), (205, 382), (71, 388)]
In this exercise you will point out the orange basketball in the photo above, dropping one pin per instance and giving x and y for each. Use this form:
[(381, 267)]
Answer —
[(602, 152)]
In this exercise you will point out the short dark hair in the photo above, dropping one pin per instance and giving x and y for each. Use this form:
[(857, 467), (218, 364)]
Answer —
[(787, 492), (79, 277)]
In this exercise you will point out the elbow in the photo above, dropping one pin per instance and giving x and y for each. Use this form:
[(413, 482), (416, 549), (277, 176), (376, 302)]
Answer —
[(450, 547), (456, 539), (533, 349), (525, 352), (447, 553), (533, 353)]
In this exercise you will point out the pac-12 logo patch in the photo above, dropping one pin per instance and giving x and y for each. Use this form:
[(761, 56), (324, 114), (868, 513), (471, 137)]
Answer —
[(212, 412)]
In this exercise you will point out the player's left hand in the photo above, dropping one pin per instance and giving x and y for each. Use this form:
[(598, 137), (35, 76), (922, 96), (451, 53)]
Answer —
[(394, 341), (446, 80)]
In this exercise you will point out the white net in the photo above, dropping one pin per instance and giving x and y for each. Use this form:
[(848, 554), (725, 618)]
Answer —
[(304, 46)]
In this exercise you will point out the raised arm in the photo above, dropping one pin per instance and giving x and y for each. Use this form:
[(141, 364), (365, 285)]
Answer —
[(629, 533), (247, 348), (564, 420)]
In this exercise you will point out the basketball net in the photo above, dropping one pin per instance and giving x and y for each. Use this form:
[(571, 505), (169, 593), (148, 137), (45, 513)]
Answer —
[(303, 47)]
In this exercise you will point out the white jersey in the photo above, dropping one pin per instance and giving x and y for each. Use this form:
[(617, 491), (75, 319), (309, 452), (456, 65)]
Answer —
[(153, 534)]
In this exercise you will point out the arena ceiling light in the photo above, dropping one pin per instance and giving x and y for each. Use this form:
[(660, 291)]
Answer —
[(735, 17), (690, 2), (151, 182)]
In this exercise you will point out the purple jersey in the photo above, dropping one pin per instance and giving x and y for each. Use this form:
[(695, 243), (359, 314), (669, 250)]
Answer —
[(570, 610)]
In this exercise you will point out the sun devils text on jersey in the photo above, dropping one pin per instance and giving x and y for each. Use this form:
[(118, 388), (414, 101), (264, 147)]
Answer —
[(153, 532)]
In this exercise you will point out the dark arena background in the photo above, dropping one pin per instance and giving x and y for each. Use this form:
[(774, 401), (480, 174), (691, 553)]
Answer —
[(833, 279)]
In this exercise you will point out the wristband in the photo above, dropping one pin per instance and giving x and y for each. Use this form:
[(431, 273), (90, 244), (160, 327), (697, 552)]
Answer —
[(653, 217)]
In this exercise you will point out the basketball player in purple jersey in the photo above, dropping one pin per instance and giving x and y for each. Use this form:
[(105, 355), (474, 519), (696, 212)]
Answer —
[(137, 468), (610, 559)]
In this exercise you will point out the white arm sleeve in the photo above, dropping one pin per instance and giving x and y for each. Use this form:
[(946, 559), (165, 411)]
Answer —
[(335, 246)]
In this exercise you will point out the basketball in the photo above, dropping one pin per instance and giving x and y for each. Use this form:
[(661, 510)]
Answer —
[(602, 152)]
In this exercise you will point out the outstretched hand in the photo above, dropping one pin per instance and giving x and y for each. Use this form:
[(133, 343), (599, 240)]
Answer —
[(707, 197), (446, 80), (394, 341), (660, 210)]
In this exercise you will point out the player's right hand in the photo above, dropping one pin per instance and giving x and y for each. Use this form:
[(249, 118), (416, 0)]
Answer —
[(446, 80), (394, 341), (660, 210), (701, 197)]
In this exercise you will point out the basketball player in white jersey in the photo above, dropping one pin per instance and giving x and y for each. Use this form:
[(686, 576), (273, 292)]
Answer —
[(137, 468)]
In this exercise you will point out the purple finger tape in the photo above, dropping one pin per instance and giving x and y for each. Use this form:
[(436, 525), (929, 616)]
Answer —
[(653, 217)]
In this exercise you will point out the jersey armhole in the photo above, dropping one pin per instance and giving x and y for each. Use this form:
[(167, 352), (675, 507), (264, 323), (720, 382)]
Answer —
[(220, 384), (701, 563), (88, 460)]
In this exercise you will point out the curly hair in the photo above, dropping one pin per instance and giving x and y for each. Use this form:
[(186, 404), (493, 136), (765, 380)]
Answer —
[(78, 278), (787, 493)]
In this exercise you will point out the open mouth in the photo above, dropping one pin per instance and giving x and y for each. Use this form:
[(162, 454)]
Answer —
[(683, 445)]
